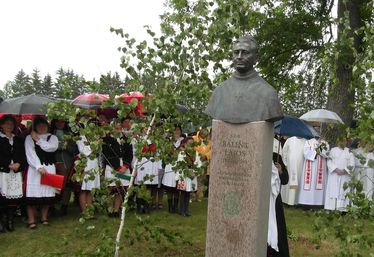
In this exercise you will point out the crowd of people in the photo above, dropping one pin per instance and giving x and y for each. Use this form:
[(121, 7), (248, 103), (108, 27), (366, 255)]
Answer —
[(29, 155), (314, 176), (318, 172)]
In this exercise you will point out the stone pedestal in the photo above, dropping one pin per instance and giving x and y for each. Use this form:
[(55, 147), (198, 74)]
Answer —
[(239, 189)]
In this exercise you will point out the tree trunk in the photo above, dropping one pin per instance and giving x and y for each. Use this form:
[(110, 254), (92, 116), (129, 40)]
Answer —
[(341, 97)]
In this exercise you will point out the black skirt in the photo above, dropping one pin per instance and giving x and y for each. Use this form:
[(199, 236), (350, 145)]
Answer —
[(40, 201), (4, 202)]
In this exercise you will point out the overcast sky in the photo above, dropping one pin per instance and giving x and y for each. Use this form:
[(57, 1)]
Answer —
[(49, 34)]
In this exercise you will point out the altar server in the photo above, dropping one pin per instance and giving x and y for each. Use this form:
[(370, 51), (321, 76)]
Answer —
[(363, 155), (341, 163)]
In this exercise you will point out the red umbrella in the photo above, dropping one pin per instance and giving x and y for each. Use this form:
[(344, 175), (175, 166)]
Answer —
[(90, 101), (128, 97), (23, 116), (132, 95)]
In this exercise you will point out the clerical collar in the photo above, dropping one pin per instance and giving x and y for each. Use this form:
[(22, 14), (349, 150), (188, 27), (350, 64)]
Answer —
[(249, 74)]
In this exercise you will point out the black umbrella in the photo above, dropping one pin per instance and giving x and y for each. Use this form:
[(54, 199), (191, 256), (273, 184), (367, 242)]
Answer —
[(294, 127), (26, 105)]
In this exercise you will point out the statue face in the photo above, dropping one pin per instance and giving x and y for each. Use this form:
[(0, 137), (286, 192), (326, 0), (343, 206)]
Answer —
[(244, 57)]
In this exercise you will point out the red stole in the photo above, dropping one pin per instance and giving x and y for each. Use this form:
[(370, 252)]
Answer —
[(320, 174)]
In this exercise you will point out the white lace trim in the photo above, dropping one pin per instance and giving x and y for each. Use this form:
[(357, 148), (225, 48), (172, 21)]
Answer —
[(11, 185)]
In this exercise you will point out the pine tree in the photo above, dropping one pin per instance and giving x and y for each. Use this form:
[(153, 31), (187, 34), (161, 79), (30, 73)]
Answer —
[(36, 82), (111, 83), (21, 85), (69, 84), (7, 91), (47, 85)]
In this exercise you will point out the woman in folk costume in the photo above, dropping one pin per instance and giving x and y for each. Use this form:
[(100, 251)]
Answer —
[(12, 164), (187, 174), (91, 173), (341, 163), (126, 143), (65, 155), (204, 150), (148, 170), (169, 182), (313, 177), (363, 155), (113, 163), (293, 156), (40, 147)]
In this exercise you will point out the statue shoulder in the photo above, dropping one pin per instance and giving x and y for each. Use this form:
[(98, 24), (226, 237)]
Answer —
[(266, 86)]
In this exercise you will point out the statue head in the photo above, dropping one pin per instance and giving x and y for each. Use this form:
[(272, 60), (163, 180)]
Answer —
[(245, 54)]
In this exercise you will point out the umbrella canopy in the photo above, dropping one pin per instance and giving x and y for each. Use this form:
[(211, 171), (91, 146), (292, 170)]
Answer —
[(90, 100), (292, 126), (321, 115), (127, 97), (26, 106)]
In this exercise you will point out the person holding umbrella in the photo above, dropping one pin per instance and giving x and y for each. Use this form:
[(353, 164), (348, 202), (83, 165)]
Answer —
[(40, 147), (12, 163)]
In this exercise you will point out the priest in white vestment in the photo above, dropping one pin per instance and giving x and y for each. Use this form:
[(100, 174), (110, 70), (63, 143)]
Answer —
[(364, 171), (293, 156), (340, 164), (313, 177)]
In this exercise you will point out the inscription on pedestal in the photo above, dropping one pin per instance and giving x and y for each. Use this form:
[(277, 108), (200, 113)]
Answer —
[(239, 189)]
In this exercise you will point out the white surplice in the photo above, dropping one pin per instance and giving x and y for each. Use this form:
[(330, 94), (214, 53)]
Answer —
[(92, 166), (293, 158), (365, 173), (33, 186), (335, 194), (274, 192), (311, 189)]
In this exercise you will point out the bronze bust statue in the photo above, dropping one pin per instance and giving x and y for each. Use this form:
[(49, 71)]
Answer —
[(245, 96)]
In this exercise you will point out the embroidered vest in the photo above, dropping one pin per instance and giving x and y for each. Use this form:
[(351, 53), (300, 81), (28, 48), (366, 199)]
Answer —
[(45, 158)]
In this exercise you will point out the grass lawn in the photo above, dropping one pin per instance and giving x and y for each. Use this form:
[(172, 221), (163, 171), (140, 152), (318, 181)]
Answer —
[(67, 237)]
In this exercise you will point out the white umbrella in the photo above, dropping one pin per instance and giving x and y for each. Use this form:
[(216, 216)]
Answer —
[(321, 115)]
